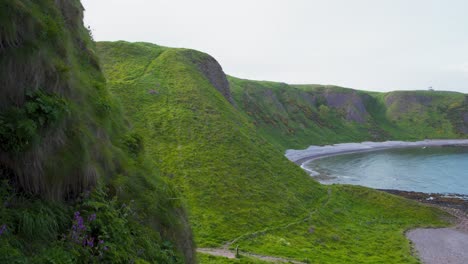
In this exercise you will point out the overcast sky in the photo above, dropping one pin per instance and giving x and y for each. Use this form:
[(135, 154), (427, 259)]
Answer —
[(364, 44)]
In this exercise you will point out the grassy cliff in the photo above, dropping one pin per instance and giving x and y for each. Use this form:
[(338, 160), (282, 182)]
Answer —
[(237, 184), (75, 186), (296, 116), (198, 140)]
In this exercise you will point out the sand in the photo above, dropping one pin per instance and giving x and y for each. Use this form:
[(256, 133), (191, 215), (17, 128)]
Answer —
[(314, 152), (441, 245)]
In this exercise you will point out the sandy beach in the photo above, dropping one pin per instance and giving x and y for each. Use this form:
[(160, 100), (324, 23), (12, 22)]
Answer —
[(314, 152)]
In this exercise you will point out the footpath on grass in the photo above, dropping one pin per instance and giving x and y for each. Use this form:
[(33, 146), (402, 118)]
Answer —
[(225, 250), (222, 252)]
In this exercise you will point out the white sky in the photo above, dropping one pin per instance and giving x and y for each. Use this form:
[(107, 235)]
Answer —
[(364, 44)]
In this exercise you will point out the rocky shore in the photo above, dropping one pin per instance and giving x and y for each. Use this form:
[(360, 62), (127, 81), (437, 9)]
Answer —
[(455, 201)]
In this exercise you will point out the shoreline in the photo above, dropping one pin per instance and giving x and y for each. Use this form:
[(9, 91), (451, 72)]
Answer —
[(457, 201), (436, 199), (313, 152)]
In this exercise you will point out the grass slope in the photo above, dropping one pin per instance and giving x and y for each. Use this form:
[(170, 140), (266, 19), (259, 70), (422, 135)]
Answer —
[(296, 116), (236, 183), (356, 225), (201, 142)]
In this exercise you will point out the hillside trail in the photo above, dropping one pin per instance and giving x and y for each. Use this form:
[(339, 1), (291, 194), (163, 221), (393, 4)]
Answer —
[(224, 250)]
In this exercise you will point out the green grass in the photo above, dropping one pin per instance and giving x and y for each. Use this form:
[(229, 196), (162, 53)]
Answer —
[(356, 225), (209, 259), (62, 136), (209, 151), (296, 116), (233, 175)]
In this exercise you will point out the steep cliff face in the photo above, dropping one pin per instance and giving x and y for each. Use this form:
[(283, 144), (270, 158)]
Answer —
[(295, 116), (50, 83), (458, 114), (351, 103), (67, 156), (401, 103), (213, 71)]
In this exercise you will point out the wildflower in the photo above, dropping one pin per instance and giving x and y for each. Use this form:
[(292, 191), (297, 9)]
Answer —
[(3, 228), (101, 241), (90, 242), (79, 223), (91, 217)]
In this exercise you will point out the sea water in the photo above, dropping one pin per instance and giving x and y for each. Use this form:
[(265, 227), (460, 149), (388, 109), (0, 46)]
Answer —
[(422, 169)]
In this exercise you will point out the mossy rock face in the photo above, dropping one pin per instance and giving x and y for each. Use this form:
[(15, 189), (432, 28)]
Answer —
[(296, 116), (52, 96), (65, 147)]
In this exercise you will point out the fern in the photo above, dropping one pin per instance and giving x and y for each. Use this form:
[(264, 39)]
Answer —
[(20, 128)]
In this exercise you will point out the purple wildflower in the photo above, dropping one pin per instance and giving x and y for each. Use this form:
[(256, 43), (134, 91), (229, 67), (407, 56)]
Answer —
[(105, 248), (79, 222), (91, 217), (90, 242), (3, 228), (101, 241)]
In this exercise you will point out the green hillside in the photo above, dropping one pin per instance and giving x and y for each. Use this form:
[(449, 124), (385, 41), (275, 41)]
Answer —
[(74, 184), (199, 140), (237, 185), (296, 116)]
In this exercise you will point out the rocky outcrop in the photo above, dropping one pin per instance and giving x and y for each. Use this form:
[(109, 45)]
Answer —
[(213, 71), (351, 102), (464, 127), (404, 102)]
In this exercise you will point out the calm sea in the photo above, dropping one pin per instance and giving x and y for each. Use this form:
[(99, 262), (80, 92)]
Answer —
[(429, 170)]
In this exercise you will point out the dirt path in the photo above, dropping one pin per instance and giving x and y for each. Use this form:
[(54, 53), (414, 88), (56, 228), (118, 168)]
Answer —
[(231, 254), (443, 245)]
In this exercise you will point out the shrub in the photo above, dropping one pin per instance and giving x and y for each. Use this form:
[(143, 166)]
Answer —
[(21, 127)]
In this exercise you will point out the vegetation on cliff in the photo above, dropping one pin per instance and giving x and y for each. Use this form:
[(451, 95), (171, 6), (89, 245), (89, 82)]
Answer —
[(239, 188), (75, 186), (233, 180), (296, 116), (95, 170)]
